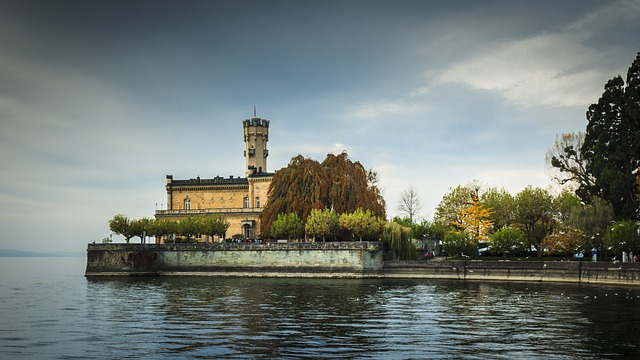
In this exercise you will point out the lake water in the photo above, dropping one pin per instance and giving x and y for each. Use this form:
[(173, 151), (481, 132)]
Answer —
[(48, 310)]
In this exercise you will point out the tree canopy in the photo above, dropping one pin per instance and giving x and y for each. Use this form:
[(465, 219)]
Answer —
[(566, 162), (337, 184), (321, 223), (474, 220), (611, 146)]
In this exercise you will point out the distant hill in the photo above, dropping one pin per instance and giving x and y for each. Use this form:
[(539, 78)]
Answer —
[(20, 253)]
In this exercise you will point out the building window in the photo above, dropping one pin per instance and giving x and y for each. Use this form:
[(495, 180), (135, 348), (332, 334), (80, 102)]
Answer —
[(257, 201), (245, 202), (187, 204)]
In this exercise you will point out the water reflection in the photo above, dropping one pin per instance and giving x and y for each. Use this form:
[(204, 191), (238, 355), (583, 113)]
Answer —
[(201, 317)]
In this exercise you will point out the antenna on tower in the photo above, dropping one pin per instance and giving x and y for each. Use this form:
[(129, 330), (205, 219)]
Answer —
[(254, 111)]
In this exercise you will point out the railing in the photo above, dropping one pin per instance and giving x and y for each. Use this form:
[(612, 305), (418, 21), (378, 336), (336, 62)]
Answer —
[(208, 211), (342, 245)]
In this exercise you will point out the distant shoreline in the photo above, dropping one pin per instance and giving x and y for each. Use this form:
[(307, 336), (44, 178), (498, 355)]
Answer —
[(21, 253)]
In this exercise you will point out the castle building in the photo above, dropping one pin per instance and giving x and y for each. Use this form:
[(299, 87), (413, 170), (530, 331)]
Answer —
[(238, 199)]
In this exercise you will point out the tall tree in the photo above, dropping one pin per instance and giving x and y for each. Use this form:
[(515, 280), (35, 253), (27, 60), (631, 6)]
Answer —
[(410, 203), (593, 220), (502, 205), (612, 144), (566, 161), (398, 239), (535, 215), (565, 204), (474, 220), (452, 202), (351, 186), (337, 183)]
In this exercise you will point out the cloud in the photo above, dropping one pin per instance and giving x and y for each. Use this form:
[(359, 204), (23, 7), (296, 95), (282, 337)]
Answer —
[(383, 108), (542, 70), (555, 68), (611, 13)]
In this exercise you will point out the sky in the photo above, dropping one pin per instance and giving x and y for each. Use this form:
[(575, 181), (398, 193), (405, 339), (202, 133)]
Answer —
[(100, 100)]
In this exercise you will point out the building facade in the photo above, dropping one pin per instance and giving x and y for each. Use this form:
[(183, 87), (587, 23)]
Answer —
[(238, 199)]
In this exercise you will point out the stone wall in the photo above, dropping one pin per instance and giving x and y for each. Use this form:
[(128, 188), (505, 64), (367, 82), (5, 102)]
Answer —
[(538, 271), (332, 259)]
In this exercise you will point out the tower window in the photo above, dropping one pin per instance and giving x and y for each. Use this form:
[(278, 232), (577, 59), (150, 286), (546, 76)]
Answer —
[(257, 201), (245, 202), (187, 204)]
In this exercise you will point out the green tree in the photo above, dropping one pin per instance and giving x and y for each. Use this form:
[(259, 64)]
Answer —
[(565, 204), (398, 240), (120, 224), (362, 224), (287, 226), (423, 229), (448, 210), (321, 223), (458, 243), (337, 183), (535, 215), (190, 227), (213, 225), (612, 144), (623, 236), (502, 205), (593, 220), (404, 221), (164, 228), (141, 227), (508, 241)]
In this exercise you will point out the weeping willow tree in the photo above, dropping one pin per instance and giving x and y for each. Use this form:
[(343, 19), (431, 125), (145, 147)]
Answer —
[(398, 241), (337, 183)]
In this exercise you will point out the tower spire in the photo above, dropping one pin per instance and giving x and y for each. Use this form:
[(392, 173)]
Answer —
[(254, 111)]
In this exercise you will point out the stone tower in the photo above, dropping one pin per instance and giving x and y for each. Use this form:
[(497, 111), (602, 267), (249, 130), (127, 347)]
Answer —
[(256, 135)]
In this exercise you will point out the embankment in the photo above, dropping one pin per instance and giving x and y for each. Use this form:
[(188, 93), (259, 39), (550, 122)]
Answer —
[(533, 271), (334, 260), (330, 259)]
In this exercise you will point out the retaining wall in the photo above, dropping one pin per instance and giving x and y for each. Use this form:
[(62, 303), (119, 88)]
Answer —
[(537, 271), (334, 259), (331, 259)]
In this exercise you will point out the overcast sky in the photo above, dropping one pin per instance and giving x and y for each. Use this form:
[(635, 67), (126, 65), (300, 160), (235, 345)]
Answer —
[(99, 100)]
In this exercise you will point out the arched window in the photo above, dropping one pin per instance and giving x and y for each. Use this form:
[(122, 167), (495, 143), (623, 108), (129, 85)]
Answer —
[(245, 202), (257, 201), (187, 204)]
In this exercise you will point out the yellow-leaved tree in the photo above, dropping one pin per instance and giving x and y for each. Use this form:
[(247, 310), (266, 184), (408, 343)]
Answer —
[(474, 220)]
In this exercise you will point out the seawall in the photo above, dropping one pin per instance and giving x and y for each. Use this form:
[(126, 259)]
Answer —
[(583, 272), (330, 259), (334, 260)]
